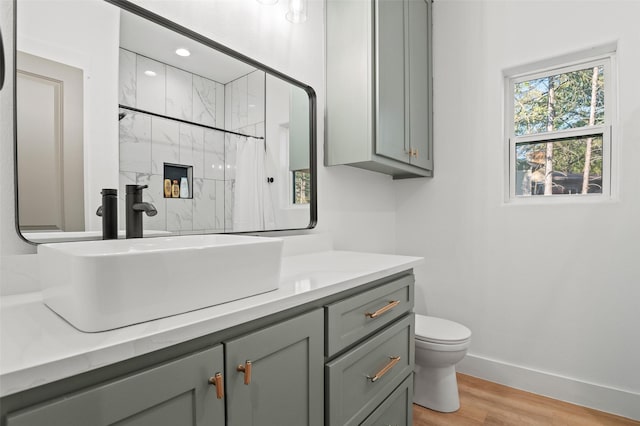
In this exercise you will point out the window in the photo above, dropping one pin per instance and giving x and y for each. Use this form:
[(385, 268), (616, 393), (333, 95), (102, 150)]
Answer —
[(559, 133), (301, 186)]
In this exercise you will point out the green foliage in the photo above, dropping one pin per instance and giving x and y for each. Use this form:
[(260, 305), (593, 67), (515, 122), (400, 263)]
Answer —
[(568, 155), (571, 102), (301, 186)]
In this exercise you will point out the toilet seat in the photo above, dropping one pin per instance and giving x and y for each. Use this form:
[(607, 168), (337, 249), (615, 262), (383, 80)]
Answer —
[(440, 331)]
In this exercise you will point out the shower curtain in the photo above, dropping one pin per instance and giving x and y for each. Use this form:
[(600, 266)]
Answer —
[(252, 208)]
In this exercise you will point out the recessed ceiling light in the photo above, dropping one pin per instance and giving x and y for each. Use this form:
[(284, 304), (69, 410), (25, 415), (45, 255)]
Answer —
[(182, 52), (150, 73)]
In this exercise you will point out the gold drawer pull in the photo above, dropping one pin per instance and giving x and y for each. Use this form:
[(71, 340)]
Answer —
[(392, 304), (246, 369), (385, 370), (218, 382)]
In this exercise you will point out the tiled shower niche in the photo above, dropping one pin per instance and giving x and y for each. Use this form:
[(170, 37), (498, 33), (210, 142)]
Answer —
[(148, 141), (176, 174)]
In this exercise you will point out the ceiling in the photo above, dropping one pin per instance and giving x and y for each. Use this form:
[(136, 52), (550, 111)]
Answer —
[(159, 43)]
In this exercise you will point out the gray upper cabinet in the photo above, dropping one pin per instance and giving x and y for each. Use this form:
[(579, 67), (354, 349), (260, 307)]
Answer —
[(379, 100), (176, 393), (275, 375)]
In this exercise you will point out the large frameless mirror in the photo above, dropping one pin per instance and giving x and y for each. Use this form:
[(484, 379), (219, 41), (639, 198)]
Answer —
[(109, 94)]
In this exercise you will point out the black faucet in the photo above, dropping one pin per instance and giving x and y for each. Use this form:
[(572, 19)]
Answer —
[(134, 208), (109, 213)]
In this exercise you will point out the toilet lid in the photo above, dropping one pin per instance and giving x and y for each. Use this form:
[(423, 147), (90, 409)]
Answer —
[(438, 330)]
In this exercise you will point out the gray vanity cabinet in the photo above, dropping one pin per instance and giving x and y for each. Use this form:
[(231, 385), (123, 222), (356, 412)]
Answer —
[(175, 393), (344, 359), (370, 355), (379, 107), (274, 376), (283, 386)]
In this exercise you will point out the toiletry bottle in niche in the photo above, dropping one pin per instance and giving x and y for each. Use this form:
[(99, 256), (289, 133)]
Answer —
[(184, 188), (175, 189), (167, 188)]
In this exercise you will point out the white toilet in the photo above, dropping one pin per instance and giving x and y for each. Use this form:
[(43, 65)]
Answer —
[(440, 345)]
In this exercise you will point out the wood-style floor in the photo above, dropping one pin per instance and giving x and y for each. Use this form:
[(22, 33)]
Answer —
[(487, 403)]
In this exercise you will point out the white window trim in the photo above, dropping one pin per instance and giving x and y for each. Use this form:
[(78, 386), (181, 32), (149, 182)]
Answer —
[(603, 55)]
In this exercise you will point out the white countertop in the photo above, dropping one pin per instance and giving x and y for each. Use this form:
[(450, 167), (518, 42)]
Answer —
[(38, 347)]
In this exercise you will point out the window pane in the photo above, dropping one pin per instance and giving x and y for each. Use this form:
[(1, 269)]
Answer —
[(301, 186), (558, 167), (558, 102)]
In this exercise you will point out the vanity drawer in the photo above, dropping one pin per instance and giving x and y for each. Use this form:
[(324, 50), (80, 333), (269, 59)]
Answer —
[(397, 410), (357, 317), (362, 378)]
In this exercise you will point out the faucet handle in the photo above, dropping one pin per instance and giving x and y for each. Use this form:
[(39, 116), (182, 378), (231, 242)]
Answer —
[(132, 189)]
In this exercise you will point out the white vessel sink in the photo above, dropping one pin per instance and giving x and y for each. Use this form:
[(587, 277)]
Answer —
[(102, 285)]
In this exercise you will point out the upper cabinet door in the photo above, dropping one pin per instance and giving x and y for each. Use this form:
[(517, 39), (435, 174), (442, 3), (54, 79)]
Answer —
[(419, 63), (391, 77), (274, 376)]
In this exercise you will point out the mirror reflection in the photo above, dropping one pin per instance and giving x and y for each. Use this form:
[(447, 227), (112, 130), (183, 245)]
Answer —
[(114, 99)]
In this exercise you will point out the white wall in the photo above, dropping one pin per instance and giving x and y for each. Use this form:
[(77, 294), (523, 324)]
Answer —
[(356, 207), (15, 268), (550, 293)]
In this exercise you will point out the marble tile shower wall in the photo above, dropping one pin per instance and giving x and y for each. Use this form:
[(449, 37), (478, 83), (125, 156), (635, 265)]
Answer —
[(147, 142)]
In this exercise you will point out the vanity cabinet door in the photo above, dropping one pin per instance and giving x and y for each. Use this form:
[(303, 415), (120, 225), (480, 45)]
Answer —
[(280, 381), (176, 393)]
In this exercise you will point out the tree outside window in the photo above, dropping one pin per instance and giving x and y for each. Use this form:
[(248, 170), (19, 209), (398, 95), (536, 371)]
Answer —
[(301, 186)]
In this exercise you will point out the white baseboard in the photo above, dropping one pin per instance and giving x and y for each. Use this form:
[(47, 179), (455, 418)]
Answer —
[(602, 398)]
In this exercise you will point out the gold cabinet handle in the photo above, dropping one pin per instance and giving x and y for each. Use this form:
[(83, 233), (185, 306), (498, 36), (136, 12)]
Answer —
[(218, 382), (246, 369), (392, 304), (393, 361)]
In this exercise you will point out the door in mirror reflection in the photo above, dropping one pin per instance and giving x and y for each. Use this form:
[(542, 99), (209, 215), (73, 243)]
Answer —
[(50, 155)]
